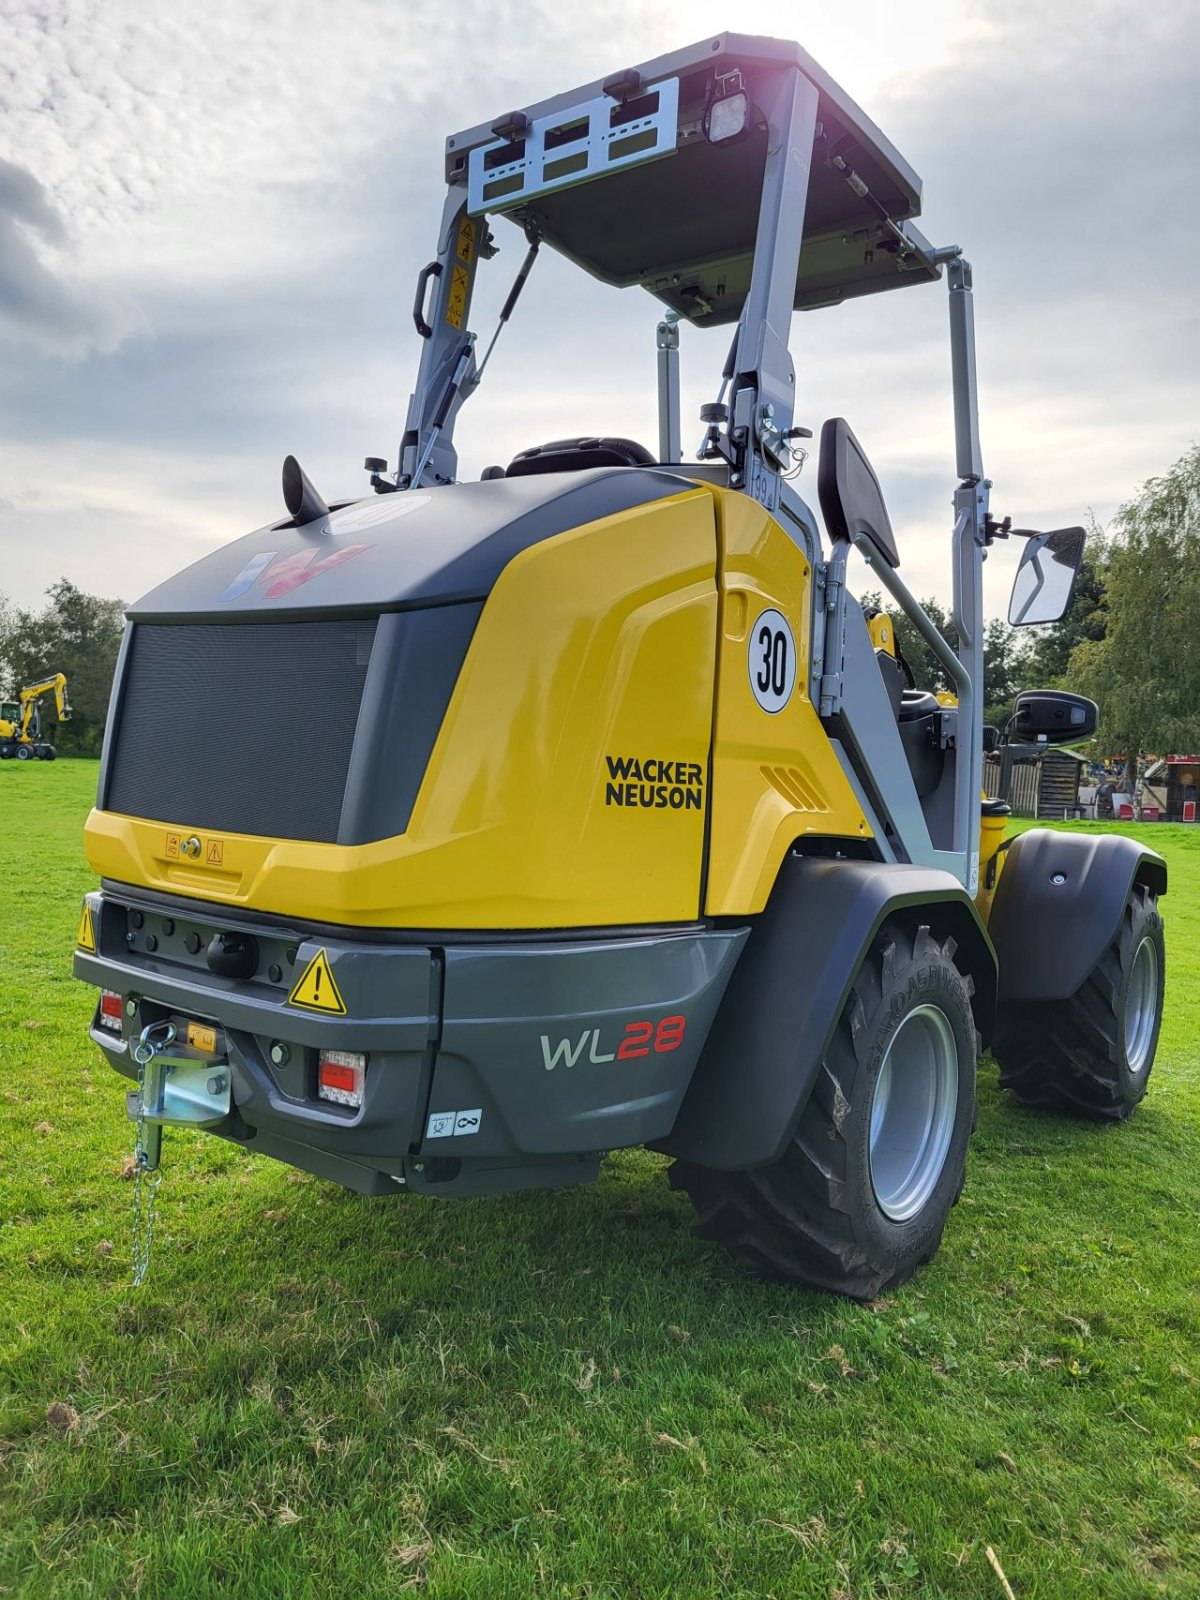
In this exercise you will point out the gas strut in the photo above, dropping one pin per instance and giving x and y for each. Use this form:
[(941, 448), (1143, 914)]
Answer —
[(514, 294), (461, 366)]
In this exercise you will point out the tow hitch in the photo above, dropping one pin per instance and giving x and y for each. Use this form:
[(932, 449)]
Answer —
[(172, 1089)]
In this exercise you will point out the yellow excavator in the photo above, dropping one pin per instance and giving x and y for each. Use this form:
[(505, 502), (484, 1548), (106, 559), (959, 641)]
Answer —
[(21, 721)]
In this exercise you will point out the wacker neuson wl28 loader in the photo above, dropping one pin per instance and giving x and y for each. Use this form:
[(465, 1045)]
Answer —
[(628, 829)]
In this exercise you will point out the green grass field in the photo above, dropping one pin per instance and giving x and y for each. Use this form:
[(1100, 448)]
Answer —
[(566, 1394)]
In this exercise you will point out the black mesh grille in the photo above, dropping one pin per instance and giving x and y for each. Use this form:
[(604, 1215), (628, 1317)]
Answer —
[(241, 728)]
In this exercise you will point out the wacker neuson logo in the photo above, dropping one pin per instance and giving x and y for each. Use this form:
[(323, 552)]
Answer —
[(654, 783)]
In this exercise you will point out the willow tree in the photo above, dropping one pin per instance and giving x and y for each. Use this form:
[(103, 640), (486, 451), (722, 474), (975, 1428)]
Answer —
[(1145, 671)]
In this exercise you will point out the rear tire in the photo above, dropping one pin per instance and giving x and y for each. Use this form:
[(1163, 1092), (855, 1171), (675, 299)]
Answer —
[(24, 753), (860, 1197), (47, 752), (1091, 1055)]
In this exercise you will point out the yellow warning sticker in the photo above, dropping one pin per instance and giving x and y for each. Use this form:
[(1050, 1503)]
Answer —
[(200, 1037), (466, 241), (316, 989), (86, 937), (456, 300), (215, 853), (173, 847)]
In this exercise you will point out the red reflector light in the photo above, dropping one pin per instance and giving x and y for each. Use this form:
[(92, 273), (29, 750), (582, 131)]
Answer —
[(110, 1010), (340, 1077)]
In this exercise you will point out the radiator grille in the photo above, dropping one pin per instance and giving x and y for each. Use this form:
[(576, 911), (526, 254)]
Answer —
[(240, 728)]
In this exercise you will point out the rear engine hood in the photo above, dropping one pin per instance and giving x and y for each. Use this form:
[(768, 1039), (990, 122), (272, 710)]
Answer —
[(397, 552)]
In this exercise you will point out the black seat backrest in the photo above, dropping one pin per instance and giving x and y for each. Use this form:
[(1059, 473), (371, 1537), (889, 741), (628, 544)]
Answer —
[(573, 455), (851, 499)]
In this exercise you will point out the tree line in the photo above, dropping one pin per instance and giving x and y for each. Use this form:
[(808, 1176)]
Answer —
[(74, 633), (1128, 640)]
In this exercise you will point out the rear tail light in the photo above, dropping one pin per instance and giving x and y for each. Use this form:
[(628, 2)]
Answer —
[(340, 1077), (110, 1010)]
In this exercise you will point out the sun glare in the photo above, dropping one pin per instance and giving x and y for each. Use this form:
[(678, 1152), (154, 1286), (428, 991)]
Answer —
[(863, 45)]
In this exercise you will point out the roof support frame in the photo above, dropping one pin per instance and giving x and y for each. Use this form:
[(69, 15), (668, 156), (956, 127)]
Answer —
[(764, 386)]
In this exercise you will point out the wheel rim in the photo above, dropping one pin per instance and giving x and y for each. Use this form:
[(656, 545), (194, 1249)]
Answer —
[(912, 1112), (1141, 1006)]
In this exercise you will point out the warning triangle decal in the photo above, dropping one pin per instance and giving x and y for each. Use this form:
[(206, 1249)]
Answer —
[(316, 989), (86, 938)]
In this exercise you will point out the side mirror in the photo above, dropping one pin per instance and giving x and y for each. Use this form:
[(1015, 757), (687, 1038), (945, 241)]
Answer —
[(1053, 716), (1046, 577)]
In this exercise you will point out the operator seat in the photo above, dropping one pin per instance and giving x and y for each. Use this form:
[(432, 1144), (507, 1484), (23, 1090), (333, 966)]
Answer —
[(575, 455), (852, 505)]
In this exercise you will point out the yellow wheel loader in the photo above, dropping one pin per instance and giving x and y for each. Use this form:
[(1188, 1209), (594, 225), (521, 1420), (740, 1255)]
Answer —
[(634, 832), (21, 721)]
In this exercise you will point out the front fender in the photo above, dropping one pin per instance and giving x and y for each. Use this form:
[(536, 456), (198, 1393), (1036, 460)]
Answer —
[(1059, 904), (761, 1059)]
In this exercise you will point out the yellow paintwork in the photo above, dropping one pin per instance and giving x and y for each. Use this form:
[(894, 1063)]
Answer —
[(945, 698), (598, 642), (883, 633), (775, 778), (991, 837)]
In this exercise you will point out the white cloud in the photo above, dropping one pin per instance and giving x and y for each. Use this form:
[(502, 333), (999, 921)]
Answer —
[(245, 192)]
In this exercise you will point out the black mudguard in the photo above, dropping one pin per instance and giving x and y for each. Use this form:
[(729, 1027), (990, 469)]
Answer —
[(764, 1051), (1059, 904)]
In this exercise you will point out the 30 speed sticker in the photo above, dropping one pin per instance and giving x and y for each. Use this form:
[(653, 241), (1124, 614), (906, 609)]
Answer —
[(771, 659)]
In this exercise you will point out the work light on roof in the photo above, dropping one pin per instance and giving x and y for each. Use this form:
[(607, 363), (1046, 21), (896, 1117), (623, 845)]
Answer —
[(728, 115)]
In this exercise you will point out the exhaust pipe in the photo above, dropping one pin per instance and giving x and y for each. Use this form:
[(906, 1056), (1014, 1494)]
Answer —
[(299, 496)]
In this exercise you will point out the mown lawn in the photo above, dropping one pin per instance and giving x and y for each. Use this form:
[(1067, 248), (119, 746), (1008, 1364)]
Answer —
[(320, 1395)]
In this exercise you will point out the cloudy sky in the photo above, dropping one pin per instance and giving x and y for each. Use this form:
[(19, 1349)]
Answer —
[(211, 220)]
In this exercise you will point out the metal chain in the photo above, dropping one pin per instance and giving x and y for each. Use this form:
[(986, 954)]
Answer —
[(146, 1179), (145, 1211)]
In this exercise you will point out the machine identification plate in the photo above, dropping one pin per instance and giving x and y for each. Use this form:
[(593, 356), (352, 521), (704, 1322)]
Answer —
[(316, 988), (201, 1037)]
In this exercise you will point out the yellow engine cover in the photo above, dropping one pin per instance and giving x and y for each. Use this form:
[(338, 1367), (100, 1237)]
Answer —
[(605, 758), (568, 786)]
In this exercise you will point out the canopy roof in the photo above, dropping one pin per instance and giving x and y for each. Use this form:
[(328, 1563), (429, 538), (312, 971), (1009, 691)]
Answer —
[(628, 185)]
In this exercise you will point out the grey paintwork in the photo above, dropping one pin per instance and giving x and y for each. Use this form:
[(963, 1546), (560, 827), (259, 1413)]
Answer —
[(414, 667), (399, 552), (867, 724), (444, 1027), (500, 1004)]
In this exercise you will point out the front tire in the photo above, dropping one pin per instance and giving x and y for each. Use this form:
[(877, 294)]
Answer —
[(1091, 1055), (860, 1197), (24, 753)]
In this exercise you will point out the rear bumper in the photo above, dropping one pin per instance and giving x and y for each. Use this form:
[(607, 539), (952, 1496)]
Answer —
[(546, 1051)]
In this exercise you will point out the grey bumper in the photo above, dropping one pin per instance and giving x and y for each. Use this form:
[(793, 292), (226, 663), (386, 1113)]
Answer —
[(490, 1065)]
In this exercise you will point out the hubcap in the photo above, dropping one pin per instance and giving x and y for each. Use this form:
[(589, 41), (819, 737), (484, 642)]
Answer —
[(912, 1112), (1141, 1006)]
